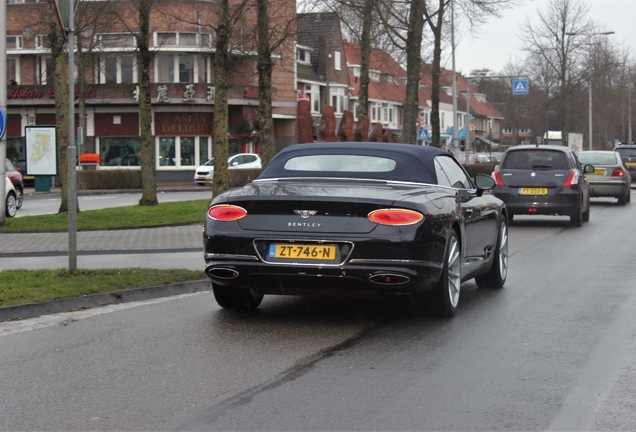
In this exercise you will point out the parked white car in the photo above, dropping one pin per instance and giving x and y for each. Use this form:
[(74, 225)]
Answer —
[(11, 198), (203, 174)]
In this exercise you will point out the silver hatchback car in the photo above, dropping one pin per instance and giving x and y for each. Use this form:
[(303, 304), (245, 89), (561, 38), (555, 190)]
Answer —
[(610, 177)]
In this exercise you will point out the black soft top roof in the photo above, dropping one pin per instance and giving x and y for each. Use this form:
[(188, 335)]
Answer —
[(413, 163)]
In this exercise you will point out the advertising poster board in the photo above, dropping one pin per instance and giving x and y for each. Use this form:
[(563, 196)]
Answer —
[(41, 150)]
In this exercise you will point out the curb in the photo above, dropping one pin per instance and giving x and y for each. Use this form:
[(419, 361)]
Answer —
[(32, 310)]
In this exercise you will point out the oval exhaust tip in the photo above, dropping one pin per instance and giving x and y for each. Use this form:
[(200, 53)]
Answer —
[(389, 279), (222, 273)]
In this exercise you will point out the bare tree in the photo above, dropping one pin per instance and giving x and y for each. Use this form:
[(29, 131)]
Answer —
[(60, 85), (273, 30), (559, 41)]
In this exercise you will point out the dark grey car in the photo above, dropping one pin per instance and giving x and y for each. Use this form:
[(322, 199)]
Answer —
[(543, 180), (628, 155)]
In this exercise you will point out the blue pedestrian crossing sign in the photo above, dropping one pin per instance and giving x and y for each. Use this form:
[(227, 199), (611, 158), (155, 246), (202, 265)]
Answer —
[(520, 87), (3, 122)]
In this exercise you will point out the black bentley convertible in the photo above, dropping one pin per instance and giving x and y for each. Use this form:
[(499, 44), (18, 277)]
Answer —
[(356, 220)]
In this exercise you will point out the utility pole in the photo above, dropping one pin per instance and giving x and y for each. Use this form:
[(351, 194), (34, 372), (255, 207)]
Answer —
[(3, 106)]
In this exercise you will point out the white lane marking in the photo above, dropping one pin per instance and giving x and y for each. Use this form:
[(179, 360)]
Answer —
[(30, 324)]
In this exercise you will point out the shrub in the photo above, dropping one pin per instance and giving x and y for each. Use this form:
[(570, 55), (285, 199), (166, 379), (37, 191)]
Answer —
[(109, 179)]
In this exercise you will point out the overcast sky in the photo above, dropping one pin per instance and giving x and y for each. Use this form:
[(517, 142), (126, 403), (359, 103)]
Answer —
[(498, 42)]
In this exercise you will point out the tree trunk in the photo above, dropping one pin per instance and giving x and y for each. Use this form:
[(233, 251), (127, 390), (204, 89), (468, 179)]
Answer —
[(435, 75), (265, 67), (221, 140), (144, 56), (365, 58), (413, 72), (60, 86)]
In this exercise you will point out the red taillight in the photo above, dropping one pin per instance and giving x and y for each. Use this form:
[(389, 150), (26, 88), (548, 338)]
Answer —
[(618, 172), (497, 177), (227, 212), (572, 180), (395, 217)]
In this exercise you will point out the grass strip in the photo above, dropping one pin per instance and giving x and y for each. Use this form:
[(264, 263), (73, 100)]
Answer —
[(164, 214), (32, 286)]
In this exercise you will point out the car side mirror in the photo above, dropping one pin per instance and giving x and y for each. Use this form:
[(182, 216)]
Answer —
[(484, 183), (588, 169)]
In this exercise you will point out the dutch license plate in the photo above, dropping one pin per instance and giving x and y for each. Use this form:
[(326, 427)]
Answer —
[(201, 177), (533, 191), (303, 251), (599, 172), (630, 164)]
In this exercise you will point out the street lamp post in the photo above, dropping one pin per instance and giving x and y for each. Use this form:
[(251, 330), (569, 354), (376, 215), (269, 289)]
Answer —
[(629, 112), (590, 87)]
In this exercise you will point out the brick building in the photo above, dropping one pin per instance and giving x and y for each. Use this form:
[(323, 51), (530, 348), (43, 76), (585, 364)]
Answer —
[(182, 82)]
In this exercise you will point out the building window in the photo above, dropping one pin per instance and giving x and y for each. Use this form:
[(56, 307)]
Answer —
[(313, 91), (42, 41), (44, 70), (336, 60), (117, 69), (374, 76), (387, 113), (442, 121), (14, 42), (116, 40), (122, 151), (389, 78), (338, 101), (13, 71), (184, 39), (375, 109), (180, 68), (185, 151), (303, 55)]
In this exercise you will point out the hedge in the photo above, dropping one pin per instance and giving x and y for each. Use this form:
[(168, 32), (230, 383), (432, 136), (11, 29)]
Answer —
[(131, 179)]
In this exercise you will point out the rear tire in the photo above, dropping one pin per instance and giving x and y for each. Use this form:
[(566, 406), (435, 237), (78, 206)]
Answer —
[(11, 204), (19, 196), (446, 292), (586, 213), (576, 220), (511, 217), (496, 276), (622, 200), (628, 195), (236, 298)]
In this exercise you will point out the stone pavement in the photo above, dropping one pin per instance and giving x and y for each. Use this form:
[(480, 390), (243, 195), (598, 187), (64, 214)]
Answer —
[(164, 239)]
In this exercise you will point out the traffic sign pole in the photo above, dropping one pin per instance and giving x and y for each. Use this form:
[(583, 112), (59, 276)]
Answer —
[(3, 106)]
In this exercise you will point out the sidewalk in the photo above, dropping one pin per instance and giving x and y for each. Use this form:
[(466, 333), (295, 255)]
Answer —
[(187, 238)]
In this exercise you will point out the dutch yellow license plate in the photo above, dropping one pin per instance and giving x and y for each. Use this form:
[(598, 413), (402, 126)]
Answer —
[(599, 172), (303, 251), (630, 163), (533, 191)]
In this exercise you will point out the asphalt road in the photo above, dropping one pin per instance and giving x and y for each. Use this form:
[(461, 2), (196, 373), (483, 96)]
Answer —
[(553, 350)]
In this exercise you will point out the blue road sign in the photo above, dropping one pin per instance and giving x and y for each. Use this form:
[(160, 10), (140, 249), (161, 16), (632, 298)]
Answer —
[(520, 87), (3, 122)]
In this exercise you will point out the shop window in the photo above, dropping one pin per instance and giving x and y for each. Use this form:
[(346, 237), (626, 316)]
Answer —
[(123, 151), (167, 151), (183, 151), (204, 151), (186, 151)]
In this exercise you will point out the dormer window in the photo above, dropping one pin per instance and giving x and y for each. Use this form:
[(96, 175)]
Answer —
[(303, 55), (389, 78), (374, 76)]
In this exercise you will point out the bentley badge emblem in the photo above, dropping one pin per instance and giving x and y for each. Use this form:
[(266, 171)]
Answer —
[(305, 213)]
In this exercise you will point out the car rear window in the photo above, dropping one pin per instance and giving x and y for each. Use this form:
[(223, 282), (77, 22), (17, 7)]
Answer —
[(340, 163), (535, 159), (626, 152), (597, 159)]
